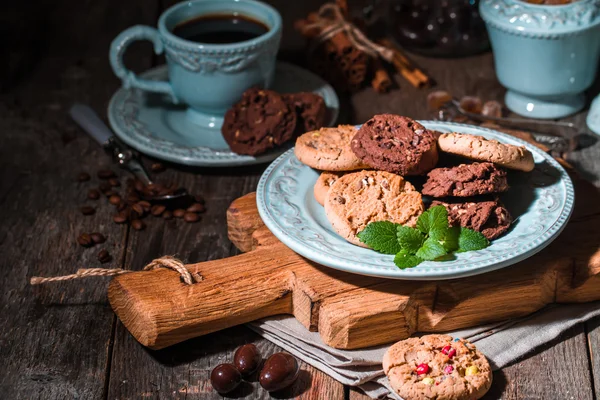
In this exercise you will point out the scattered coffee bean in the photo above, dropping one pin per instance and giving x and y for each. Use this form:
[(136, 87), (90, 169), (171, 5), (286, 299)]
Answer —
[(492, 108), (97, 238), (120, 218), (93, 194), (247, 359), (157, 209), (191, 217), (145, 205), (85, 240), (132, 198), (225, 377), (115, 199), (104, 187), (138, 224), (122, 206), (471, 104), (437, 99), (138, 208), (157, 167), (88, 210), (167, 215), (280, 371), (106, 174), (114, 182), (196, 208), (139, 186), (83, 177), (104, 256), (179, 213)]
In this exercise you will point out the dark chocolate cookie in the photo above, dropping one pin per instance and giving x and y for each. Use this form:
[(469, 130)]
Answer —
[(310, 108), (259, 122), (465, 180), (396, 144), (489, 217)]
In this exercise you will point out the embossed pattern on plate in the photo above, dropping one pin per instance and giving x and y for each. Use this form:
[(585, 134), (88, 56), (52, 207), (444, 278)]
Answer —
[(152, 125), (541, 202)]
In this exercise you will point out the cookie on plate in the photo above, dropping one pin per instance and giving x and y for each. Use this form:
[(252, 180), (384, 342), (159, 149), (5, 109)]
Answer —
[(482, 149), (310, 108), (396, 144), (324, 182), (465, 180), (328, 149), (437, 367), (258, 122), (489, 217), (358, 198)]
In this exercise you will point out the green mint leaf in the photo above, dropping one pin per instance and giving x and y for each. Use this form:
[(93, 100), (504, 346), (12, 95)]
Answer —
[(404, 260), (434, 219), (448, 238), (470, 240), (431, 250), (381, 237), (410, 239)]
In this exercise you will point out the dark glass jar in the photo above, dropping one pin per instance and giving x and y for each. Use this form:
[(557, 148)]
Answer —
[(444, 28)]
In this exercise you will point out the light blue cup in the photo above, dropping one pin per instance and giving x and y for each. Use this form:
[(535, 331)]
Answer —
[(208, 78), (545, 55)]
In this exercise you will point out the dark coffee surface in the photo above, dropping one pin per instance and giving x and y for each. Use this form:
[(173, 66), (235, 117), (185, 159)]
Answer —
[(220, 29)]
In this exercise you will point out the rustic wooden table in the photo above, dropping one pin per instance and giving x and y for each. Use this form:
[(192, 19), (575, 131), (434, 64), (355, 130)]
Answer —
[(62, 340)]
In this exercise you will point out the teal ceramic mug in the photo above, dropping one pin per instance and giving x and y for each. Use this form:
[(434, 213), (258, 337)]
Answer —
[(206, 77)]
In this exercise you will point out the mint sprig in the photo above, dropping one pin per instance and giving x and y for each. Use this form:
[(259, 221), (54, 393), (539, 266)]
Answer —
[(433, 239)]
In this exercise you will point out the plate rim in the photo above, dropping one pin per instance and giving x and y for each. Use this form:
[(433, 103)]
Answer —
[(534, 247), (230, 160)]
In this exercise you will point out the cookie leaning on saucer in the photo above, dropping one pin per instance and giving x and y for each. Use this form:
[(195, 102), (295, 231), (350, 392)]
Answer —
[(323, 183), (358, 198), (328, 149), (482, 149), (437, 366)]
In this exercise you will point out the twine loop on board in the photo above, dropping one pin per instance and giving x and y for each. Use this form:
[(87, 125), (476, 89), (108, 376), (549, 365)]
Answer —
[(330, 21), (169, 262)]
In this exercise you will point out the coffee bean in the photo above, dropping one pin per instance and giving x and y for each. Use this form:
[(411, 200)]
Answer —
[(88, 210), (133, 198), (196, 208), (85, 240), (83, 177), (104, 256), (106, 174), (138, 209), (115, 199), (139, 186), (247, 359), (120, 218), (104, 187), (138, 224), (167, 215), (145, 205), (179, 213), (280, 371), (97, 238), (191, 217), (122, 206), (225, 377), (157, 209), (471, 104), (114, 182), (93, 194), (157, 167)]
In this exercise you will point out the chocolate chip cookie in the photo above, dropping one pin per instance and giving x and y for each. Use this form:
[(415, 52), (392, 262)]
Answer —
[(310, 108), (358, 198), (328, 149), (324, 182), (396, 144), (437, 367), (259, 122), (465, 180), (489, 217)]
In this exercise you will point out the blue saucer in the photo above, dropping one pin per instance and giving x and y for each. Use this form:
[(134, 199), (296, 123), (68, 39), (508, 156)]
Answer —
[(154, 126)]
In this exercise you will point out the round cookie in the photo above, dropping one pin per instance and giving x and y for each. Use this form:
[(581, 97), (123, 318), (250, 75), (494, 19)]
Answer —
[(465, 180), (324, 182), (259, 122), (482, 149), (437, 367), (328, 149), (358, 198), (310, 107), (396, 144)]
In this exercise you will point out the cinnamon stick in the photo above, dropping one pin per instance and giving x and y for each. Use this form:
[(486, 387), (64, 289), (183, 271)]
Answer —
[(405, 67), (381, 79)]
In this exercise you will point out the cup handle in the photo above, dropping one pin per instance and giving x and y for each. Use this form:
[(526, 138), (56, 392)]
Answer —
[(117, 49)]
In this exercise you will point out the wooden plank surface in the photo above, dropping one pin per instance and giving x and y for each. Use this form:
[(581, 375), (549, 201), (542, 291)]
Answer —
[(57, 340)]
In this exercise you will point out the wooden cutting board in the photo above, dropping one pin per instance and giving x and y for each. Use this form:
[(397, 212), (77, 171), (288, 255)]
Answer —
[(351, 311)]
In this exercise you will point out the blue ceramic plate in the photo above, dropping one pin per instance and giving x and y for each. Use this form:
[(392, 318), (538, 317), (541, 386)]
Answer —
[(541, 202), (154, 126)]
